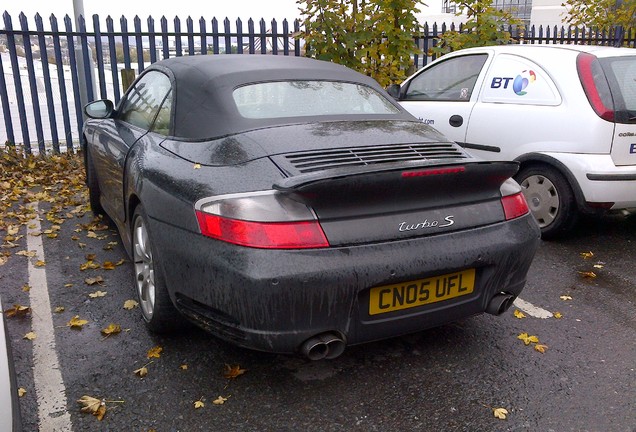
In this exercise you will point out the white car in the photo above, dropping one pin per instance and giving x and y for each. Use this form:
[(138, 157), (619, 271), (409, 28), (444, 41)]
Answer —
[(566, 113), (9, 408)]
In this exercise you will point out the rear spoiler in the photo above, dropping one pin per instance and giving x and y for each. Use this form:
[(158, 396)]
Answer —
[(302, 180), (499, 170)]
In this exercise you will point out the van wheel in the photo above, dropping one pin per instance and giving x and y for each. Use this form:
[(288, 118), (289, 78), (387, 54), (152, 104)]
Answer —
[(550, 199)]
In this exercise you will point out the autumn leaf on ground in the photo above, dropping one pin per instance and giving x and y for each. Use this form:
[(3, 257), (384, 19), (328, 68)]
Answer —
[(233, 371), (26, 288), (94, 280), (59, 309), (587, 255), (588, 274), (89, 265), (500, 413), (519, 314), (97, 294), (527, 339), (68, 285), (197, 166), (17, 311), (30, 336), (598, 266), (111, 329), (154, 352), (183, 367), (25, 253), (142, 371), (91, 234), (120, 262), (107, 265), (558, 315), (220, 400), (76, 322), (21, 392), (40, 263), (93, 406), (199, 404), (130, 304), (565, 297), (541, 348)]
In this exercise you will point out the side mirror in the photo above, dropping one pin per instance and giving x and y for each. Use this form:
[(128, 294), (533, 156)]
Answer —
[(99, 109), (394, 91)]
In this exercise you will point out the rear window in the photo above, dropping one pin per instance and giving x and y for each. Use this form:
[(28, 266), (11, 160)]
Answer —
[(621, 75), (309, 98)]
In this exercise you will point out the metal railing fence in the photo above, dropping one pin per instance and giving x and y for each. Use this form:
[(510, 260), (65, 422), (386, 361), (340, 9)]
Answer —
[(46, 75)]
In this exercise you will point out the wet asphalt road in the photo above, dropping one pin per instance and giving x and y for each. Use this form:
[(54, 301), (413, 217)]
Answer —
[(446, 379)]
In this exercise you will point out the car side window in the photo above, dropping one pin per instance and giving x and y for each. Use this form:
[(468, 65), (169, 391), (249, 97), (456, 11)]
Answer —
[(450, 80), (144, 99), (162, 121)]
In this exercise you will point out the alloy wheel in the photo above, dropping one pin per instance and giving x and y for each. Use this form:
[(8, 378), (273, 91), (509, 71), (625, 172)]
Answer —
[(144, 268)]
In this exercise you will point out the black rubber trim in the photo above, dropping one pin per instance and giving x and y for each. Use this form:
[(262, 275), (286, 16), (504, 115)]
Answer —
[(480, 147), (611, 177)]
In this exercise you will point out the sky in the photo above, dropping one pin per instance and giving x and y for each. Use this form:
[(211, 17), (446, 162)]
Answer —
[(232, 9)]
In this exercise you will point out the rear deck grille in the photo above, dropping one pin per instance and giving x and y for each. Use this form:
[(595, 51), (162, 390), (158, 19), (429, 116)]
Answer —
[(307, 162)]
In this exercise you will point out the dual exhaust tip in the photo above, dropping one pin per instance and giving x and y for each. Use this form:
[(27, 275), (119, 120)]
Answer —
[(330, 345), (323, 346)]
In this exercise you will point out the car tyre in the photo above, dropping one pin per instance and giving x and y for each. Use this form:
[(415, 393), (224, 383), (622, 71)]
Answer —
[(94, 192), (550, 198), (156, 306)]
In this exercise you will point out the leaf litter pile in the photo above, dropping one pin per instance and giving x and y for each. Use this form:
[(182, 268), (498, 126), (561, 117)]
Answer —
[(57, 184)]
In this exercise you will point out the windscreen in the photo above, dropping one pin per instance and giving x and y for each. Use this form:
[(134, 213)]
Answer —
[(308, 99)]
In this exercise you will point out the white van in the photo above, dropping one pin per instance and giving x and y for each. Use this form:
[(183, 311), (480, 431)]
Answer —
[(566, 113)]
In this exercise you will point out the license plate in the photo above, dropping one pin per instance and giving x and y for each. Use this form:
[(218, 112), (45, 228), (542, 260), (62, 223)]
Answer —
[(405, 295)]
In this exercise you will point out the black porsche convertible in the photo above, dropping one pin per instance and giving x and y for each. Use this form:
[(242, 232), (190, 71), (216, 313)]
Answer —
[(290, 205)]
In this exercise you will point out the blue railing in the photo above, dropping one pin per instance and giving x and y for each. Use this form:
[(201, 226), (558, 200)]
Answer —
[(77, 66)]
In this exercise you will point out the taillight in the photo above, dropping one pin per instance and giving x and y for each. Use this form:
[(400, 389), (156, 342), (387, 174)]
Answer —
[(512, 200), (514, 206), (261, 220), (595, 85)]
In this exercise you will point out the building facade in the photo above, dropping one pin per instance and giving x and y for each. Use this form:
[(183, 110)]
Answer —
[(531, 12)]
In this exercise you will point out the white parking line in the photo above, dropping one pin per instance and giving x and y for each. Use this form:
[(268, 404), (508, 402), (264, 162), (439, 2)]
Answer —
[(49, 386), (531, 309)]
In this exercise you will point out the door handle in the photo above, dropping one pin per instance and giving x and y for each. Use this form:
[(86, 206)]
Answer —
[(456, 120)]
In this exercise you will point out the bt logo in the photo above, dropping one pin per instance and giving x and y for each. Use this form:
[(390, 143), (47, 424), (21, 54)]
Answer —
[(519, 83)]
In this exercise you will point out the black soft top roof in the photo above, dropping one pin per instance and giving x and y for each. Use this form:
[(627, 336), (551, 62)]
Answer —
[(203, 106)]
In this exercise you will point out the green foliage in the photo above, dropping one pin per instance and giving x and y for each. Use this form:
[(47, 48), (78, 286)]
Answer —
[(603, 14), (374, 37), (485, 26), (119, 52)]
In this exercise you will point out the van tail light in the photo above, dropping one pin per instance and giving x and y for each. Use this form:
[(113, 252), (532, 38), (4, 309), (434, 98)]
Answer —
[(595, 85), (512, 200), (268, 220)]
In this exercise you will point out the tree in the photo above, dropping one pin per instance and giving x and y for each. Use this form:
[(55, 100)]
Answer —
[(603, 14), (374, 37), (486, 25)]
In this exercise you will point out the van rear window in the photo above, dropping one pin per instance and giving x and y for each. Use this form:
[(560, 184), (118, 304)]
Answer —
[(621, 75)]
